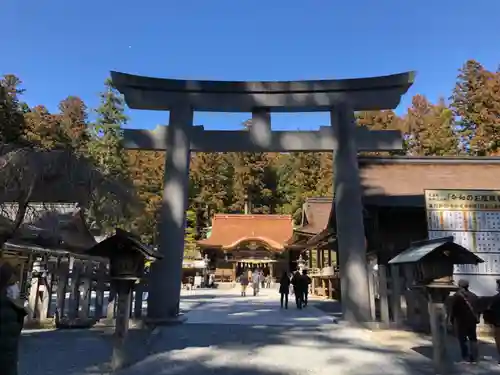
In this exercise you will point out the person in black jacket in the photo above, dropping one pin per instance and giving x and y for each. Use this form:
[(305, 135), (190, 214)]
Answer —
[(492, 316), (305, 282), (464, 317), (12, 315), (284, 289), (297, 289)]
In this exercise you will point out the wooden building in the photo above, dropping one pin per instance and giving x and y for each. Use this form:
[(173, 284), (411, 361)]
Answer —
[(394, 202), (314, 242), (242, 242)]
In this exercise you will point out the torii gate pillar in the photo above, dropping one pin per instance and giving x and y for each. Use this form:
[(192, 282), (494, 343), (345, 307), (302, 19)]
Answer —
[(340, 97)]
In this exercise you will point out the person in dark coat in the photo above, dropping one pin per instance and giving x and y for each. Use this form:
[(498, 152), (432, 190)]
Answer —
[(492, 316), (297, 289), (305, 281), (284, 289), (244, 280), (12, 315), (464, 317)]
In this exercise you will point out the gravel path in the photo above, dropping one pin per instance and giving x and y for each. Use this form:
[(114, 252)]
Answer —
[(227, 334)]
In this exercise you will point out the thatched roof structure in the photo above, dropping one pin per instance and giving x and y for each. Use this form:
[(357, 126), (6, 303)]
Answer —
[(50, 225)]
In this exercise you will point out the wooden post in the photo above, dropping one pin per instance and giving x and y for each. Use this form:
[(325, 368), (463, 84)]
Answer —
[(99, 293), (124, 289), (33, 293), (74, 267), (384, 300), (396, 295), (139, 290), (85, 289), (234, 271), (371, 287), (410, 296), (437, 315), (45, 290), (110, 309), (62, 282)]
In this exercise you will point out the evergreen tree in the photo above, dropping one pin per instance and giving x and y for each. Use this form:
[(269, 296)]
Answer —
[(12, 124), (430, 128), (210, 175), (466, 104), (106, 149), (382, 120), (106, 146), (300, 178), (146, 171), (44, 129), (73, 120)]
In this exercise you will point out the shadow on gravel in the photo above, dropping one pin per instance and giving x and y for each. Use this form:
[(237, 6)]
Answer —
[(193, 349)]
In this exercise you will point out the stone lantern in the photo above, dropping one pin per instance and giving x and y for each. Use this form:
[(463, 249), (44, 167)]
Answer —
[(433, 262), (127, 257)]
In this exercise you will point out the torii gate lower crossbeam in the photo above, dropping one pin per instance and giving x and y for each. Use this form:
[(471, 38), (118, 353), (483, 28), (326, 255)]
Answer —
[(341, 98)]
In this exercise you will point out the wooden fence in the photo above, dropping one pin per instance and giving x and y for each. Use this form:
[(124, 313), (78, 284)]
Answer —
[(61, 286)]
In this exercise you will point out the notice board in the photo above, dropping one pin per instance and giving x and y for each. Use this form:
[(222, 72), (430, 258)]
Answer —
[(472, 217)]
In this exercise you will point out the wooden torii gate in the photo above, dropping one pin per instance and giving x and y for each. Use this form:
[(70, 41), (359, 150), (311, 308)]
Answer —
[(339, 97)]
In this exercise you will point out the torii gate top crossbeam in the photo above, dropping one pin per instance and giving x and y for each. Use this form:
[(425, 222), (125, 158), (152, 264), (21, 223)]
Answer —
[(363, 94)]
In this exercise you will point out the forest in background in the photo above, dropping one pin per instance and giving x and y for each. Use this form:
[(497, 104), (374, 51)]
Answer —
[(465, 123)]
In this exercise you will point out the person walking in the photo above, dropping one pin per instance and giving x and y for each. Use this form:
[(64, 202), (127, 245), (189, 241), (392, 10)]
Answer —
[(297, 288), (244, 283), (464, 317), (305, 282), (492, 316), (284, 289), (256, 282), (12, 315)]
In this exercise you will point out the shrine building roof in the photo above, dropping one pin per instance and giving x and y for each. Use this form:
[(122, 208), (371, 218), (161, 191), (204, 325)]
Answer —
[(230, 230), (400, 181)]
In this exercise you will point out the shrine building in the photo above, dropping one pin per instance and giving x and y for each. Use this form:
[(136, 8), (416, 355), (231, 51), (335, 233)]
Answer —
[(239, 242), (394, 210)]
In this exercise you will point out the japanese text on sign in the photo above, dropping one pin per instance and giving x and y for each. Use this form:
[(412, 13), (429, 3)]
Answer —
[(451, 200)]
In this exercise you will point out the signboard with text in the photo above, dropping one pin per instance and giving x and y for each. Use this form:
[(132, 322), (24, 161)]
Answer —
[(472, 217)]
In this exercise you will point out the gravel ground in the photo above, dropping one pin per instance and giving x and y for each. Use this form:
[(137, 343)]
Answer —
[(226, 334)]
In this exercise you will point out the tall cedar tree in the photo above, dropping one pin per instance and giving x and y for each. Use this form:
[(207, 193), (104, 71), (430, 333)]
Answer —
[(146, 171), (466, 103), (300, 178), (476, 99), (73, 118), (381, 120), (106, 146), (12, 124), (249, 172), (430, 128), (488, 137), (44, 129), (210, 177)]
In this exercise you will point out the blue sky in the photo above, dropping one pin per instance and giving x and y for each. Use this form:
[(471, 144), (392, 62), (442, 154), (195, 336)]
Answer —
[(60, 48)]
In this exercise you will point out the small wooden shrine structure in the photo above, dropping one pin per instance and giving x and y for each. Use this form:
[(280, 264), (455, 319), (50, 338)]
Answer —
[(241, 242), (314, 241), (48, 251)]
